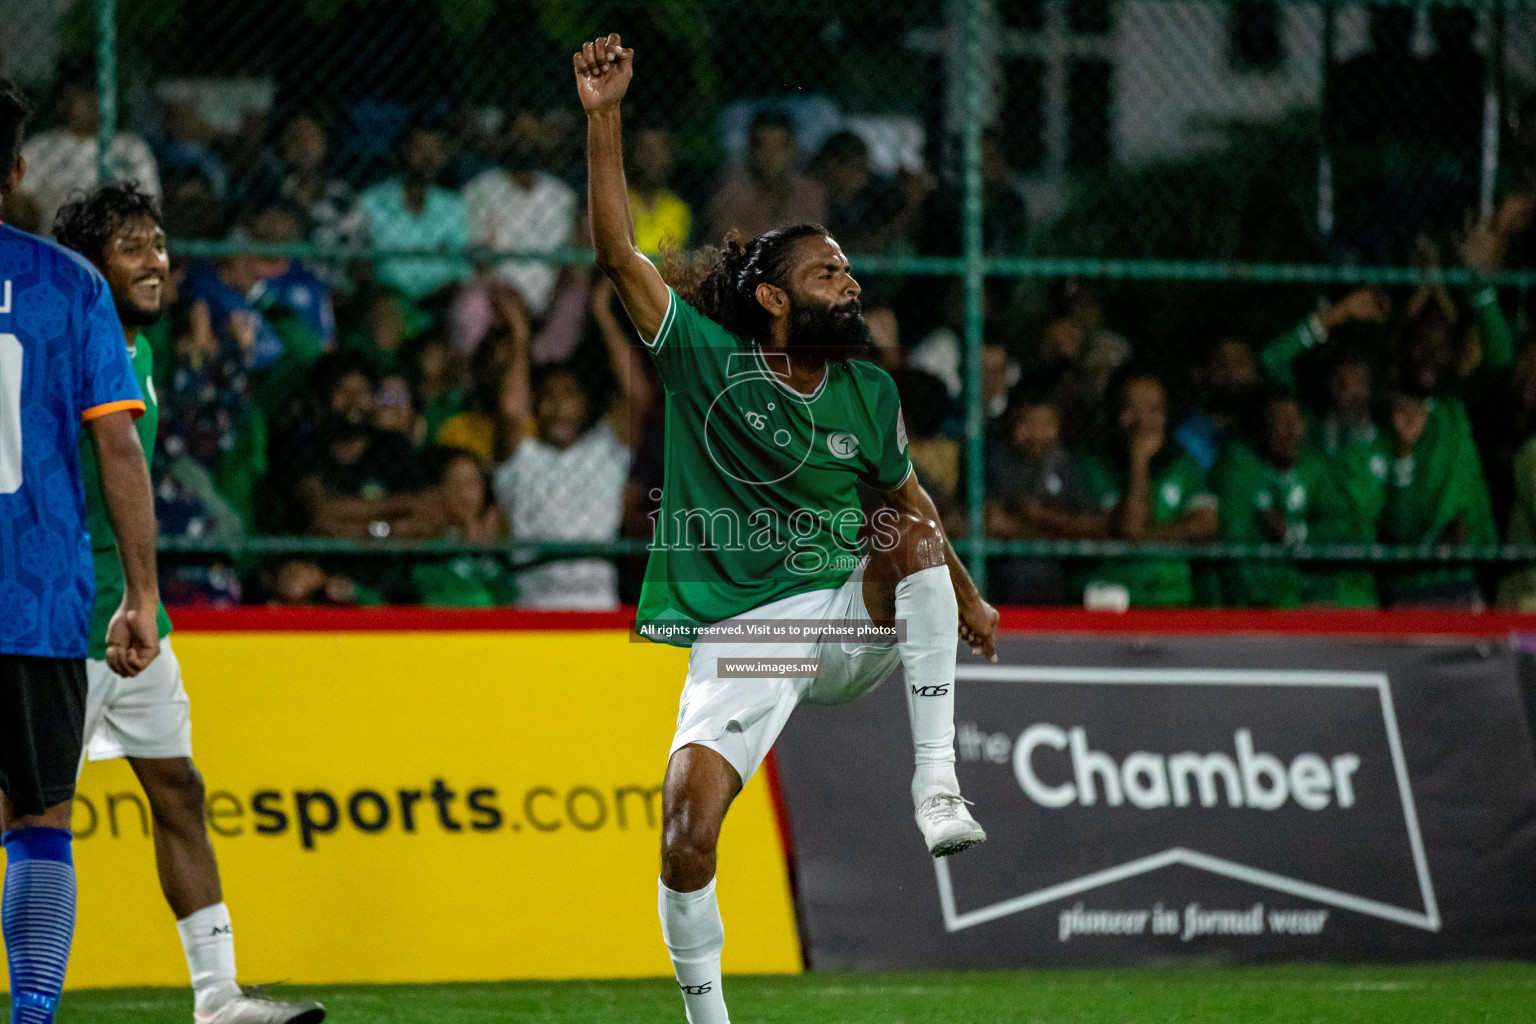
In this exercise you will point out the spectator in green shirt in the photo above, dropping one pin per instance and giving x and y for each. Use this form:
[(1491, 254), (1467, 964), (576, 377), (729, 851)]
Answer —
[(1266, 488), (467, 580), (1343, 438), (1151, 490), (1437, 493)]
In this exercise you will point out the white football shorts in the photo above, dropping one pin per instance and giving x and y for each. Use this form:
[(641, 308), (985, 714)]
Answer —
[(740, 718), (148, 716)]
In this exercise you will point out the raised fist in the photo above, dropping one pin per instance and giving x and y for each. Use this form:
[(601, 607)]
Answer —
[(603, 70)]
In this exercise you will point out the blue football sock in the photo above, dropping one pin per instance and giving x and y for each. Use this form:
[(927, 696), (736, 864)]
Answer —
[(38, 915)]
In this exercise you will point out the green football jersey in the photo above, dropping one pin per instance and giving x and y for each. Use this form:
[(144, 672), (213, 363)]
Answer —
[(1347, 503), (1178, 486), (109, 569), (760, 493), (465, 581), (1252, 490), (1439, 482)]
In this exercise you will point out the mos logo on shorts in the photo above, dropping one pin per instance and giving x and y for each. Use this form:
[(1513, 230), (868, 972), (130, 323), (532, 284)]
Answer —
[(843, 445)]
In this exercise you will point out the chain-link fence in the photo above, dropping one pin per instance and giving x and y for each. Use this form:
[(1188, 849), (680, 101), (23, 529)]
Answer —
[(377, 214)]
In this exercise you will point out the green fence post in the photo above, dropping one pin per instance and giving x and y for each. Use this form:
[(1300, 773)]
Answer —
[(975, 418), (106, 86)]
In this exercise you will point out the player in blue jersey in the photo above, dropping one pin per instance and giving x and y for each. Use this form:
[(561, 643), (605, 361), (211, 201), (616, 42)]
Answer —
[(147, 718), (62, 363)]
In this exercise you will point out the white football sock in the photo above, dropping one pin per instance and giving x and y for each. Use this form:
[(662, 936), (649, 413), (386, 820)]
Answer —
[(208, 939), (926, 602), (694, 934)]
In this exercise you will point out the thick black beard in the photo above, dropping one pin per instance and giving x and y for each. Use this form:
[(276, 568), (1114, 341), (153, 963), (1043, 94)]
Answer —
[(830, 332), (134, 317)]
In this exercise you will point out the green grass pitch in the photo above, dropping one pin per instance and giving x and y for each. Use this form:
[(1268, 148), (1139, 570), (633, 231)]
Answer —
[(1481, 993)]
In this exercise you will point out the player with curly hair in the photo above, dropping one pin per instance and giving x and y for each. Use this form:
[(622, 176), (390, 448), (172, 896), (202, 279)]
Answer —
[(774, 424), (147, 718)]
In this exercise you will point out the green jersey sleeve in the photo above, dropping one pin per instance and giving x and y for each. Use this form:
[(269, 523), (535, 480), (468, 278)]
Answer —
[(1493, 330), (891, 463), (690, 348), (1279, 354)]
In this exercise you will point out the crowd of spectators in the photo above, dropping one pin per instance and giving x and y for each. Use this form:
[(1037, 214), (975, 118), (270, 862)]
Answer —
[(1397, 418), (424, 392)]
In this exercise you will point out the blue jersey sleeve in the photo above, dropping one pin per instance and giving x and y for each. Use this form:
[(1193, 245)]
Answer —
[(107, 383)]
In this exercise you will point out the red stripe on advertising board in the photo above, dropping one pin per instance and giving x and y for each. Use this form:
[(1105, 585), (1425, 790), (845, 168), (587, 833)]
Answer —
[(1179, 622)]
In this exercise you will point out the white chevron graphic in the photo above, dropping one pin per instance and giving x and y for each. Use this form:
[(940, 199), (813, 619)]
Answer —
[(1427, 918)]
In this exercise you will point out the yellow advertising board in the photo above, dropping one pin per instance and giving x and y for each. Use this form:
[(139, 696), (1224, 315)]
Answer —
[(429, 806)]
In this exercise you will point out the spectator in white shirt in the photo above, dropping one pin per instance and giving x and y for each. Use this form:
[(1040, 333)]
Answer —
[(63, 160), (522, 206), (566, 483)]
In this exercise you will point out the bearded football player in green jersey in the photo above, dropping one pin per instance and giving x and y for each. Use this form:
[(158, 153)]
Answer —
[(773, 425), (147, 718)]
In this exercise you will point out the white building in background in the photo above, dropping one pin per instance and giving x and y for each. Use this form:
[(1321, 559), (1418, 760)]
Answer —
[(1174, 74)]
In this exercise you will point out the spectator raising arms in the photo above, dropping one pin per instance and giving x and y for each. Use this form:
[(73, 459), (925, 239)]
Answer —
[(499, 412), (566, 483), (1343, 437), (1437, 493), (1152, 491)]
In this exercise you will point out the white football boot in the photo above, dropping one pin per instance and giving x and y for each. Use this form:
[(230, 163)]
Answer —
[(253, 1008), (947, 826)]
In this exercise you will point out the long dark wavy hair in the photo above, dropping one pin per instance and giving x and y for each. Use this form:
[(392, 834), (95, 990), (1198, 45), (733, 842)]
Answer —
[(721, 282), (86, 223)]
